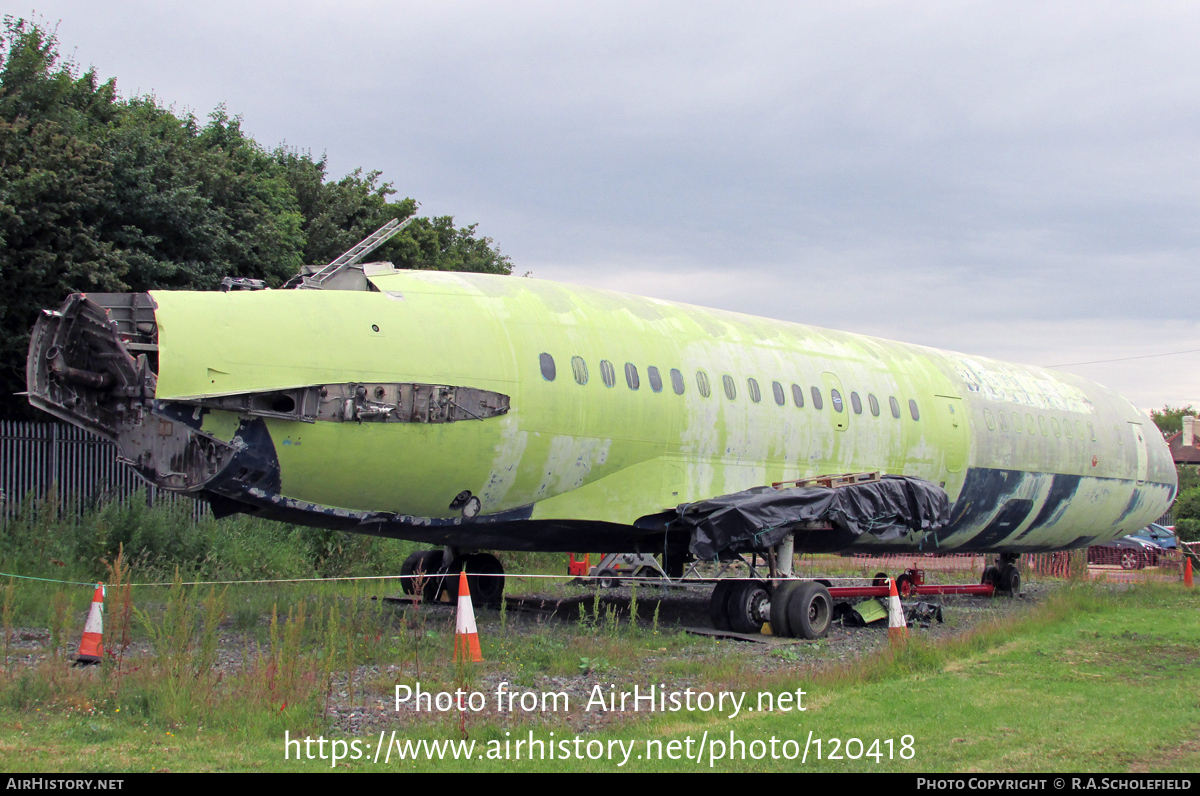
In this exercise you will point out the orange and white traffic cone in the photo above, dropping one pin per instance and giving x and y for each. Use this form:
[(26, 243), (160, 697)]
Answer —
[(466, 636), (897, 626), (91, 648), (1187, 572)]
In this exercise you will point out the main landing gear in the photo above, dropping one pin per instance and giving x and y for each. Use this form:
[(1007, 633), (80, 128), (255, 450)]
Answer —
[(794, 609), (1004, 576), (430, 572)]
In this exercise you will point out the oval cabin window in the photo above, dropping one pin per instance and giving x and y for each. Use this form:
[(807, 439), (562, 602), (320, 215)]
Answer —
[(835, 398), (676, 381), (702, 383), (873, 402), (631, 376), (607, 373), (856, 403), (755, 395), (816, 396), (730, 387), (798, 396), (894, 405), (912, 409), (579, 368), (547, 363)]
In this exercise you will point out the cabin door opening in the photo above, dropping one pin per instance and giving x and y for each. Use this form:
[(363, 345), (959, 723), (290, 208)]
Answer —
[(949, 414), (839, 404), (1139, 444)]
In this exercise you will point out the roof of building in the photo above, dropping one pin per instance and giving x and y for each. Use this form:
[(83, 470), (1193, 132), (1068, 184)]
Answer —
[(1184, 454)]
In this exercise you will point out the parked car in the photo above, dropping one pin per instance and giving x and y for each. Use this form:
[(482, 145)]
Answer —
[(1158, 535), (1130, 552)]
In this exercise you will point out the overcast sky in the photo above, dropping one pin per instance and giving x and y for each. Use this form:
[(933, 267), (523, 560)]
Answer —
[(1020, 181)]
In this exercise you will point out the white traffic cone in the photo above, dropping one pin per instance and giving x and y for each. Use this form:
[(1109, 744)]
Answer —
[(466, 636), (897, 626)]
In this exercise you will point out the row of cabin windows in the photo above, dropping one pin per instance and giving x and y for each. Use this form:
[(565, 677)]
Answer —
[(1071, 429), (608, 375)]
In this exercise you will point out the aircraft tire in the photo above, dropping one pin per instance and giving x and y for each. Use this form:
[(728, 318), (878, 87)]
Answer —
[(430, 564), (879, 579), (490, 589), (1010, 581), (607, 578), (718, 605), (408, 569), (747, 602), (991, 575), (779, 603), (809, 610)]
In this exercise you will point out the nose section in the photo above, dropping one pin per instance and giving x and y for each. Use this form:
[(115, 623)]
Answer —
[(92, 363)]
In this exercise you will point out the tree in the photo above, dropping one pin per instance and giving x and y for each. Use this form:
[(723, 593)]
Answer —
[(1170, 419), (100, 192)]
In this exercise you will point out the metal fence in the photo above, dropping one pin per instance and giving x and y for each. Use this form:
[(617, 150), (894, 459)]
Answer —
[(38, 460)]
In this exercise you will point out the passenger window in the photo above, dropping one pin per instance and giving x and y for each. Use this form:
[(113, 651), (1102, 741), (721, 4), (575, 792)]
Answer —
[(987, 418), (1092, 432), (1016, 423), (912, 409), (702, 383), (895, 405), (547, 363), (1003, 422), (730, 387), (816, 396), (873, 402), (836, 398), (631, 376), (1067, 428), (1117, 431), (676, 381), (755, 395), (855, 403), (798, 396), (655, 378), (1042, 425), (1079, 429), (579, 368), (777, 391), (1030, 426), (607, 373)]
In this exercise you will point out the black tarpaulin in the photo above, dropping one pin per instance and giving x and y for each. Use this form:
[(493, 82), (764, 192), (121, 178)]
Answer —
[(760, 518)]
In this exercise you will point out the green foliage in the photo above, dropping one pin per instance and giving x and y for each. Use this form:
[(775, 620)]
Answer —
[(1187, 505), (1187, 530), (157, 541), (1170, 419), (104, 193)]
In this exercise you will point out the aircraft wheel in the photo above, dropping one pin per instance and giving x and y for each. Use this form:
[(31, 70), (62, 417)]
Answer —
[(991, 575), (484, 590), (490, 587), (879, 579), (749, 606), (809, 610), (607, 577), (424, 564), (779, 603), (1010, 581), (718, 605)]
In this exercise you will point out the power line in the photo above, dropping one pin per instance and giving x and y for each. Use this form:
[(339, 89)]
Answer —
[(1124, 359)]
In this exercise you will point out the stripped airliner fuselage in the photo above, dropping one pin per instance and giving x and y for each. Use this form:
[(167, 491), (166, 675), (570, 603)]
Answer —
[(503, 413)]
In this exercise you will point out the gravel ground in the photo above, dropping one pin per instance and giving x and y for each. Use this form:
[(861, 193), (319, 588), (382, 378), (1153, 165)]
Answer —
[(552, 617)]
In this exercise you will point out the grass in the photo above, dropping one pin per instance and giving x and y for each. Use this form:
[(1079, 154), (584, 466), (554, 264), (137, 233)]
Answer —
[(1092, 679)]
